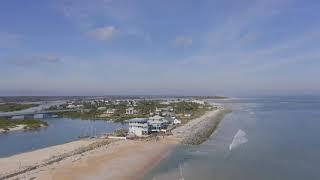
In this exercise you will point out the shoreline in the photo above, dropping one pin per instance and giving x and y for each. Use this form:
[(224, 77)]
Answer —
[(11, 129), (112, 159), (20, 127)]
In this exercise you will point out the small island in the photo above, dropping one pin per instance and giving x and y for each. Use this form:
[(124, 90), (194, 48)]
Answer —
[(7, 125)]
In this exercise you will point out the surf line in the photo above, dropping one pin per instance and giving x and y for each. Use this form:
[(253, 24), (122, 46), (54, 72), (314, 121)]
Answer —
[(238, 139)]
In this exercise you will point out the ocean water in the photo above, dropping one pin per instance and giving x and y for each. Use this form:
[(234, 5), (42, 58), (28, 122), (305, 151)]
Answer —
[(274, 138), (59, 131)]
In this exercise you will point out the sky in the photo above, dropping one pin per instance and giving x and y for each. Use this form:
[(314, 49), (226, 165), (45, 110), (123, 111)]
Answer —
[(167, 47)]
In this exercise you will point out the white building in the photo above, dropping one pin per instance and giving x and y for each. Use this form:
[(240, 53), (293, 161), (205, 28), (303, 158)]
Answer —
[(187, 114), (138, 127), (110, 111), (176, 121), (130, 111), (71, 106), (198, 102), (102, 108), (157, 123), (173, 120), (107, 113), (79, 106), (144, 126)]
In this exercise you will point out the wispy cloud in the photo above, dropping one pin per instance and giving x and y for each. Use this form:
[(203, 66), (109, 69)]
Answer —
[(241, 39), (108, 33), (183, 41), (219, 45), (103, 33), (122, 14), (85, 12), (10, 40), (31, 60)]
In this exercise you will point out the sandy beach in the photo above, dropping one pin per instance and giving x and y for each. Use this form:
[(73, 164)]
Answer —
[(120, 159), (99, 158), (17, 128)]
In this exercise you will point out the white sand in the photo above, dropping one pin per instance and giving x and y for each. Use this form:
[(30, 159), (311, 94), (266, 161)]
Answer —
[(18, 162), (119, 160), (16, 128)]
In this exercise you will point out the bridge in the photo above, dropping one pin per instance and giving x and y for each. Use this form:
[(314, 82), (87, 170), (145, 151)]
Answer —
[(32, 113)]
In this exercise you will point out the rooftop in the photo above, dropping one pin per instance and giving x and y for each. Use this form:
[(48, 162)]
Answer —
[(138, 120)]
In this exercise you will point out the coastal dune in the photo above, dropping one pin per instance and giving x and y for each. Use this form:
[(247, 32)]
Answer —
[(106, 159)]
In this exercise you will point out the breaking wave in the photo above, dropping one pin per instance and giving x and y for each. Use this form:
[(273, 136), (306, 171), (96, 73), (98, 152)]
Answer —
[(238, 139)]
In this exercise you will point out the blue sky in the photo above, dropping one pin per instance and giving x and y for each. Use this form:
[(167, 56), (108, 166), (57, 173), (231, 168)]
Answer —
[(207, 47)]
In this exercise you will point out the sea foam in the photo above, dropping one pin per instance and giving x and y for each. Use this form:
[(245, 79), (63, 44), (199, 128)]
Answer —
[(238, 139)]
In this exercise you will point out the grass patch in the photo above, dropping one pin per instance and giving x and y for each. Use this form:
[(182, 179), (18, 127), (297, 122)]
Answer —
[(120, 133), (15, 107), (95, 115), (30, 123)]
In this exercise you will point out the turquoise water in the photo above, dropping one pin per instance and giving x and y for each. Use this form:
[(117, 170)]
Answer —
[(59, 131), (283, 144)]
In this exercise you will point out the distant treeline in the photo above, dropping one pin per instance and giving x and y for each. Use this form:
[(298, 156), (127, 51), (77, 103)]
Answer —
[(8, 107), (7, 99), (210, 97)]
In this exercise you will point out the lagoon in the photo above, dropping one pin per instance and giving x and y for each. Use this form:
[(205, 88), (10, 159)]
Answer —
[(59, 131)]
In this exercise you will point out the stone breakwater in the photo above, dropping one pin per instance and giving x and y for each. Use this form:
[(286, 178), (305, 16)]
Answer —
[(198, 130)]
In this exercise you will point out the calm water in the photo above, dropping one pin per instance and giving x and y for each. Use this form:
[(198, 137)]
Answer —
[(59, 131), (283, 144)]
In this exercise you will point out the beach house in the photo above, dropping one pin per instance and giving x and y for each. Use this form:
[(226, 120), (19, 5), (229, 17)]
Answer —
[(110, 111), (71, 106), (157, 123), (130, 111), (198, 101), (139, 127), (101, 108), (176, 121), (144, 126), (173, 120)]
